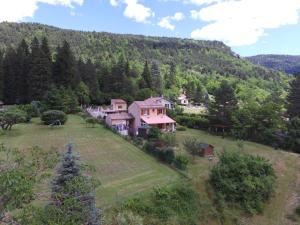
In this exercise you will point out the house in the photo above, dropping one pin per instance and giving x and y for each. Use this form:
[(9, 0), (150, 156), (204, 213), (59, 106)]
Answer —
[(116, 106), (161, 100), (206, 150), (150, 113), (183, 100), (120, 122)]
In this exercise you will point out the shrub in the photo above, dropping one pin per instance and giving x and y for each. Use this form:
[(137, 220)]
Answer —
[(181, 162), (297, 210), (54, 117), (169, 139), (194, 121), (91, 121), (166, 154), (154, 133), (192, 146), (181, 128), (10, 117), (243, 179)]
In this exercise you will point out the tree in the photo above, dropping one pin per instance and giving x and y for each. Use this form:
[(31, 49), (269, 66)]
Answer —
[(83, 93), (9, 70), (293, 99), (157, 81), (73, 200), (171, 76), (192, 146), (245, 180), (53, 99), (1, 76), (40, 71), (225, 103), (10, 117), (294, 134), (64, 70), (146, 81)]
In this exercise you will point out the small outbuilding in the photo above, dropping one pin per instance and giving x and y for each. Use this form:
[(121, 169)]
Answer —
[(206, 150)]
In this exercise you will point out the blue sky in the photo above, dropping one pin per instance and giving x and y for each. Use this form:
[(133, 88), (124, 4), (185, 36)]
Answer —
[(249, 27)]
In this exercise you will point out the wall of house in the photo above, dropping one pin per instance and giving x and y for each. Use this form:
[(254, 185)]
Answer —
[(119, 106), (134, 110), (153, 112)]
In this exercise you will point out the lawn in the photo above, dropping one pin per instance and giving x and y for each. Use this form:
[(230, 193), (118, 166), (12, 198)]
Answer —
[(123, 169), (286, 165)]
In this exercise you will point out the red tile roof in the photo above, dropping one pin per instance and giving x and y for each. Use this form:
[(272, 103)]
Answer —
[(121, 101), (149, 103), (159, 119)]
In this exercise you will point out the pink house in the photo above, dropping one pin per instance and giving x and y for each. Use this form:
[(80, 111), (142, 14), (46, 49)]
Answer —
[(116, 106), (120, 122), (150, 113)]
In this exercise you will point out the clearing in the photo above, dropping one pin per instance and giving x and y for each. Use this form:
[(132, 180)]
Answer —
[(123, 169), (286, 165)]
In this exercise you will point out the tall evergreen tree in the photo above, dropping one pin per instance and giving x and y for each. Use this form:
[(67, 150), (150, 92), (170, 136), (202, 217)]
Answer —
[(171, 76), (157, 81), (146, 81), (64, 68), (9, 70), (73, 193), (21, 69), (39, 77), (1, 76), (225, 103), (293, 107)]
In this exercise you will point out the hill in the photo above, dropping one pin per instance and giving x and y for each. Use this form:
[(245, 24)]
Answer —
[(285, 63), (201, 56)]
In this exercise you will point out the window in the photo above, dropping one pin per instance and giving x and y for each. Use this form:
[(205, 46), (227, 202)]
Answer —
[(159, 111), (119, 107)]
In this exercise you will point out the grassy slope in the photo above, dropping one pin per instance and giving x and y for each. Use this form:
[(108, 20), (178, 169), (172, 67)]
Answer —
[(287, 166), (122, 169)]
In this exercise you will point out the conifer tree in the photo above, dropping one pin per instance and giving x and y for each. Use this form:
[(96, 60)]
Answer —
[(293, 107), (40, 72), (64, 68), (1, 76), (9, 70), (22, 69), (73, 193), (146, 81), (171, 76), (157, 81)]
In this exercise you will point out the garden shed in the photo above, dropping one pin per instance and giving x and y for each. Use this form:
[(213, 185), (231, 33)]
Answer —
[(206, 150)]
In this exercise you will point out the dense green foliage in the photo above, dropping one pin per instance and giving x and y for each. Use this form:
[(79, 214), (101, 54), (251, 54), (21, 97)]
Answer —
[(10, 117), (177, 205), (19, 173), (285, 63), (54, 117), (293, 107), (244, 180)]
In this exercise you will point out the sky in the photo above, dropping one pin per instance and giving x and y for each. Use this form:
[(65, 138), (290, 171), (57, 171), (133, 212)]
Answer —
[(249, 27)]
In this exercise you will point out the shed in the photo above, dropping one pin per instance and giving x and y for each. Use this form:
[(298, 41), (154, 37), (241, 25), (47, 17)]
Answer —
[(206, 150)]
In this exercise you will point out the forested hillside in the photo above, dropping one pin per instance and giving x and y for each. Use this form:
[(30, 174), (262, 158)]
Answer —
[(285, 63), (201, 56)]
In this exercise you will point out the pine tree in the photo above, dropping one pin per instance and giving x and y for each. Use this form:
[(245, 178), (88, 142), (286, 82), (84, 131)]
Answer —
[(53, 99), (22, 69), (73, 193), (225, 103), (157, 81), (1, 76), (293, 107), (40, 72), (64, 68), (9, 71), (146, 81), (171, 76)]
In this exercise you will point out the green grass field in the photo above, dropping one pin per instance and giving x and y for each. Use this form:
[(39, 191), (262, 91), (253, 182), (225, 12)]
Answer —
[(286, 165), (123, 169)]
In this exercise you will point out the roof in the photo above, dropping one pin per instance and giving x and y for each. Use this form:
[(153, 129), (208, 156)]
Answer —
[(118, 100), (1, 103), (120, 116), (159, 119), (204, 145)]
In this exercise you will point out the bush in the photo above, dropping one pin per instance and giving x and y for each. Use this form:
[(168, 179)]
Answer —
[(181, 128), (154, 133), (245, 180), (193, 121), (54, 117), (10, 117), (297, 210), (166, 155), (181, 162), (91, 121), (169, 139)]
